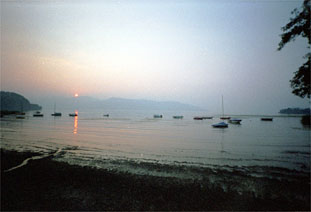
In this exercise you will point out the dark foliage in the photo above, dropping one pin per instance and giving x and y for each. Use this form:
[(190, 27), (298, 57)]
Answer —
[(306, 120), (301, 81), (299, 26), (295, 111)]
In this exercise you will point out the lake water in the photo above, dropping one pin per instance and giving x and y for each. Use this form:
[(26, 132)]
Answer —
[(129, 138)]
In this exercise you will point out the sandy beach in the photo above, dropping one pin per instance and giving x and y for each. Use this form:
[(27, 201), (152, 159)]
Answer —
[(46, 184)]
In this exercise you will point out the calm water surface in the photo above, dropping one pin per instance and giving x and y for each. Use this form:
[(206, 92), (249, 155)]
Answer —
[(135, 137)]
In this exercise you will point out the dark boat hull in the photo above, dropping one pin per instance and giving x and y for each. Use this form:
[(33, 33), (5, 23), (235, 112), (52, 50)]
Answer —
[(56, 114), (266, 119), (207, 117)]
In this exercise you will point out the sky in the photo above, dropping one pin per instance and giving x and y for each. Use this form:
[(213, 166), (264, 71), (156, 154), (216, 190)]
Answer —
[(188, 51)]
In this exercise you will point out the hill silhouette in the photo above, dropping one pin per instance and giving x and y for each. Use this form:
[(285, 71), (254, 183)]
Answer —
[(11, 101)]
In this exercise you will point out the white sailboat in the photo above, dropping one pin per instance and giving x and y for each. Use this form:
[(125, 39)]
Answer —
[(223, 117), (222, 124)]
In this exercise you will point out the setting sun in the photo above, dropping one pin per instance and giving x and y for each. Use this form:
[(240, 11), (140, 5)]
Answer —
[(76, 95)]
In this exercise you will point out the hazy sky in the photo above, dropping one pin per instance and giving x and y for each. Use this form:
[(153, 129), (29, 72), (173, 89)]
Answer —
[(187, 51)]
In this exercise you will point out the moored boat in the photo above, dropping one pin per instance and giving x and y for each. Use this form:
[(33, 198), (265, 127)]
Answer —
[(235, 121), (73, 114), (157, 116), (20, 116), (207, 117), (37, 114), (267, 119), (178, 117), (56, 113), (106, 115), (220, 125), (225, 117), (198, 118)]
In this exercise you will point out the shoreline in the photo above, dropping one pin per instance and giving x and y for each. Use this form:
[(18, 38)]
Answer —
[(46, 184)]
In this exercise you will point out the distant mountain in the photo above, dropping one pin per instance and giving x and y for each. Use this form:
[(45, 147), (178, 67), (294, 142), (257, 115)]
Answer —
[(15, 102), (120, 103), (295, 111), (86, 102)]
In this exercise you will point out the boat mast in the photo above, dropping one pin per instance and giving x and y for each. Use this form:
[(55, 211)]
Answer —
[(54, 107), (222, 104)]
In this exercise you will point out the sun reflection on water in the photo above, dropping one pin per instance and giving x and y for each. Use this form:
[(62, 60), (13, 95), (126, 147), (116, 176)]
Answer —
[(75, 126)]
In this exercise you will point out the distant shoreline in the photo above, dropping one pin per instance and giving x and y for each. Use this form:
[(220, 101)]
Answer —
[(6, 112), (276, 115), (49, 185)]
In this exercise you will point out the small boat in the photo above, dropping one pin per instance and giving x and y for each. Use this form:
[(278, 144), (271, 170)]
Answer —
[(225, 117), (235, 121), (198, 118), (266, 119), (73, 114), (106, 115), (220, 125), (20, 116), (178, 117), (207, 117), (37, 114), (157, 116), (56, 113)]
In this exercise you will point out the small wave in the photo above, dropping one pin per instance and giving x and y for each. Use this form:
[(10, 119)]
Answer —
[(37, 157), (25, 162), (297, 152)]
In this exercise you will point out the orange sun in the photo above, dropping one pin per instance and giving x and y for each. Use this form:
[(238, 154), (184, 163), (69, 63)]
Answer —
[(76, 95)]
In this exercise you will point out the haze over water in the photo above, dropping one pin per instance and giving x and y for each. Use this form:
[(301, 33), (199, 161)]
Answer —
[(187, 51), (128, 139)]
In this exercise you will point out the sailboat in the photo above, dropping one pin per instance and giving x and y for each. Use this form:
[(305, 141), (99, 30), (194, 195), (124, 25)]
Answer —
[(56, 113), (221, 124), (223, 117)]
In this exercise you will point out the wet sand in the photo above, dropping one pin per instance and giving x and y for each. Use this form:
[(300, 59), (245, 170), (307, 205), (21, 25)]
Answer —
[(46, 184)]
